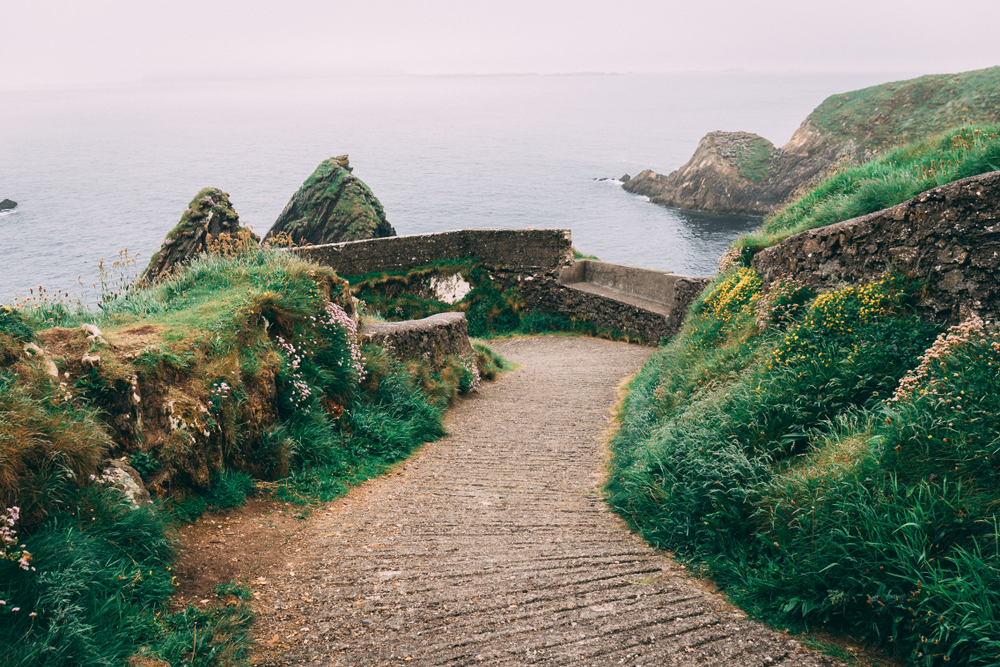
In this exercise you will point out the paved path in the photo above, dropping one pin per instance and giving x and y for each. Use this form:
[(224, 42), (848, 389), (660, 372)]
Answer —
[(493, 546)]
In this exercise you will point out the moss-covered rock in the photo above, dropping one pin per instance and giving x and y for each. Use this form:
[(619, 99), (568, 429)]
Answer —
[(209, 215), (331, 206)]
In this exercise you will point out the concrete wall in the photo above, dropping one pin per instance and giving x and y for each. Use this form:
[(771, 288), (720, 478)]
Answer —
[(521, 250), (657, 286)]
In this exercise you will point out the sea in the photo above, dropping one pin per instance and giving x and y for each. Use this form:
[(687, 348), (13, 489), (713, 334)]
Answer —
[(104, 172)]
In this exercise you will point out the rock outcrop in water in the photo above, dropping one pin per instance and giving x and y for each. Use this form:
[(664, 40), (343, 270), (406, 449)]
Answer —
[(210, 214), (332, 206), (740, 172), (7, 204)]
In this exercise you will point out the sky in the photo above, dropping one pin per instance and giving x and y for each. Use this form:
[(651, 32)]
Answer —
[(80, 42)]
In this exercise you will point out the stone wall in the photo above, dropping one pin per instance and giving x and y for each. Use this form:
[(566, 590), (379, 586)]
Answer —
[(638, 302), (948, 236), (520, 250), (433, 338)]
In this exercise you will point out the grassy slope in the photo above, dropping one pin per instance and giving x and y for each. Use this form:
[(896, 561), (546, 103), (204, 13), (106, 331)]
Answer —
[(101, 577), (801, 450), (887, 180), (773, 455), (905, 111)]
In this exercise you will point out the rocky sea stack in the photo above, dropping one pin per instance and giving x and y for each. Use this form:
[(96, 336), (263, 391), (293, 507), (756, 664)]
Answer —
[(741, 172), (210, 214), (332, 206), (7, 204)]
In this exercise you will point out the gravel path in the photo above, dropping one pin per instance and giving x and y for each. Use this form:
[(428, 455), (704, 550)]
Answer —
[(493, 546)]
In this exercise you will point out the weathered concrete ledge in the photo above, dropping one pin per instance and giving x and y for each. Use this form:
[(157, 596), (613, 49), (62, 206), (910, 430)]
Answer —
[(520, 250), (948, 236), (432, 338), (652, 303)]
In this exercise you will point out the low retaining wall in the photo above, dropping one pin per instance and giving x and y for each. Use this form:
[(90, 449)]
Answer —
[(519, 250), (948, 236), (638, 302), (433, 338)]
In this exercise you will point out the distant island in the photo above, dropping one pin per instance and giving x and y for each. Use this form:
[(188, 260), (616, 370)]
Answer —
[(741, 172)]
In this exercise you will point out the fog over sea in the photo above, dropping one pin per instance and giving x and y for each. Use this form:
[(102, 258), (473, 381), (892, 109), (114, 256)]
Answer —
[(97, 170)]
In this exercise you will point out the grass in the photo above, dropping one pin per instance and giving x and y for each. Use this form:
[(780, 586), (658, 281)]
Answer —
[(810, 456), (753, 157), (270, 391), (889, 179), (908, 111)]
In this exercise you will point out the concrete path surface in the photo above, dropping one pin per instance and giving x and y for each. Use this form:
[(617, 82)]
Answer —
[(493, 546)]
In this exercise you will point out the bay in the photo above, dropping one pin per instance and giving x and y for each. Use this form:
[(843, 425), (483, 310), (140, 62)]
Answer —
[(99, 170)]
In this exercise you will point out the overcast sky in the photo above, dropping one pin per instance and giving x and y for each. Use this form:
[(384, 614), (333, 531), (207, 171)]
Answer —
[(71, 42)]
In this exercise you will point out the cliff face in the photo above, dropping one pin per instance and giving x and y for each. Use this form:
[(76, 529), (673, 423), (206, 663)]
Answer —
[(332, 206), (738, 172)]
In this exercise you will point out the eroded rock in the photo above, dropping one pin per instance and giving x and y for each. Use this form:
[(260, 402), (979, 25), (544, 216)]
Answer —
[(739, 172)]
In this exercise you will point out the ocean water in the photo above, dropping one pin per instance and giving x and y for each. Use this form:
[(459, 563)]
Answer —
[(99, 170)]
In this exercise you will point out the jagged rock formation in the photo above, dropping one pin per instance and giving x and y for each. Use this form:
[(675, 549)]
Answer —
[(740, 172), (7, 204), (332, 206), (210, 214), (948, 236)]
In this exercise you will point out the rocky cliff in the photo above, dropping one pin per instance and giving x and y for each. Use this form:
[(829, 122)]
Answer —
[(739, 172), (331, 206)]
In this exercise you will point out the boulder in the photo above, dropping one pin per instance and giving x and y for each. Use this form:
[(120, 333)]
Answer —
[(210, 214), (332, 206), (7, 204)]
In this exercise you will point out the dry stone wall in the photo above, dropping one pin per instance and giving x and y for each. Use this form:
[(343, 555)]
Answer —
[(948, 236), (432, 338), (520, 250), (539, 262)]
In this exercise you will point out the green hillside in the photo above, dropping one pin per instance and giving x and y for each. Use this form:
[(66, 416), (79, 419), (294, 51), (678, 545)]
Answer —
[(903, 111)]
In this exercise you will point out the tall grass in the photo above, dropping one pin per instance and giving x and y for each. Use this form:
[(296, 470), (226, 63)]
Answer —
[(887, 180), (823, 470)]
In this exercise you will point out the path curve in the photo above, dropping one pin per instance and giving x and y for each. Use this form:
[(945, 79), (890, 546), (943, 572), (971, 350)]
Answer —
[(493, 546)]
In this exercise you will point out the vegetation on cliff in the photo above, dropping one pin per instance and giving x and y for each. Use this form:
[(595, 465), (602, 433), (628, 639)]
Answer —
[(209, 215), (906, 111), (243, 365), (889, 179), (831, 459), (739, 172)]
